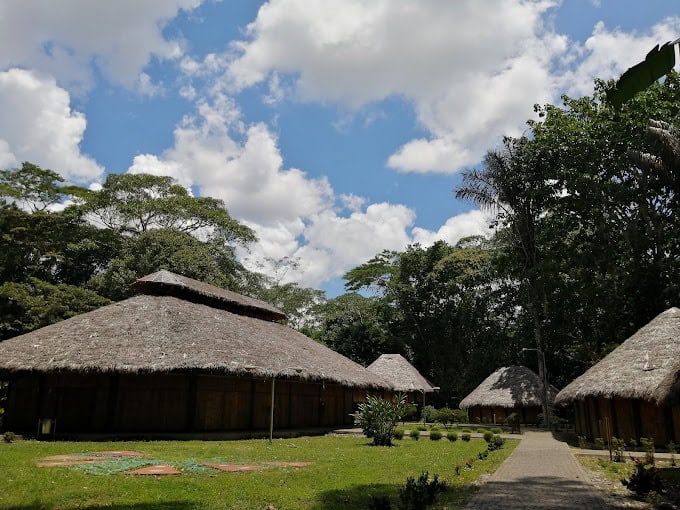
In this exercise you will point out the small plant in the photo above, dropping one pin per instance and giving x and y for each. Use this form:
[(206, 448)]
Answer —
[(481, 430), (632, 443), (9, 437), (465, 436), (599, 443), (618, 447), (466, 431), (409, 413), (488, 435), (452, 436), (435, 427), (647, 444), (459, 416), (457, 470), (477, 420), (497, 431), (496, 443), (468, 463), (378, 418), (379, 503), (445, 416), (421, 428), (672, 449), (421, 493), (414, 434), (435, 435), (645, 478), (582, 442), (429, 413), (398, 433), (483, 455)]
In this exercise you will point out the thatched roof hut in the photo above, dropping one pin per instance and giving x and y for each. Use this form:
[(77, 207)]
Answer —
[(634, 391), (180, 324), (507, 389), (646, 366), (400, 373), (181, 356)]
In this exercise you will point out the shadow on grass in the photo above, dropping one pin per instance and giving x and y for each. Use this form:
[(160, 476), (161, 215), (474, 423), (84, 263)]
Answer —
[(540, 492), (170, 505)]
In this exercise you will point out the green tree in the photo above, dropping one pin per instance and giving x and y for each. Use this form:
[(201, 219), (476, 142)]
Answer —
[(33, 187)]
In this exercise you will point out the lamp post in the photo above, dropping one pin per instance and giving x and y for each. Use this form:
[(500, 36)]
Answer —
[(541, 364), (434, 388)]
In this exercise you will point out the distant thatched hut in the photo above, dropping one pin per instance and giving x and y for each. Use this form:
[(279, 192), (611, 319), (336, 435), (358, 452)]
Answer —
[(403, 376), (180, 357), (635, 388), (509, 389)]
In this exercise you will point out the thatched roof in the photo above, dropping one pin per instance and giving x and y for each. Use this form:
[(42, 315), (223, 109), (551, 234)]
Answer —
[(400, 373), (159, 333), (646, 366), (514, 386), (165, 283)]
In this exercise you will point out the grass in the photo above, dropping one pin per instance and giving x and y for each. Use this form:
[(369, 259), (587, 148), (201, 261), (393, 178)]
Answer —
[(345, 473)]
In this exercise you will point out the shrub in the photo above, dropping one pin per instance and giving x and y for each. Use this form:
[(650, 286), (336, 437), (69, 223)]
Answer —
[(446, 416), (379, 503), (645, 478), (481, 430), (514, 420), (618, 446), (429, 413), (488, 435), (452, 436), (465, 436), (398, 433), (477, 420), (466, 431), (410, 412), (435, 427), (421, 493), (435, 435), (421, 428), (648, 444), (632, 443), (599, 443), (496, 443), (459, 416), (414, 434), (378, 418), (457, 470), (483, 455), (9, 437), (497, 431), (582, 442)]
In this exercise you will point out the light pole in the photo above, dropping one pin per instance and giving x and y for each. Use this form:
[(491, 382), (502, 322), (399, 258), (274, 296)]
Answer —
[(541, 363), (434, 388)]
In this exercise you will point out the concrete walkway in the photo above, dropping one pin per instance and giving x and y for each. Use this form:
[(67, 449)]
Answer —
[(541, 473)]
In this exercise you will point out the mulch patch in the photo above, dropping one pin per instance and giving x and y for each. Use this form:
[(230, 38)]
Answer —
[(155, 470)]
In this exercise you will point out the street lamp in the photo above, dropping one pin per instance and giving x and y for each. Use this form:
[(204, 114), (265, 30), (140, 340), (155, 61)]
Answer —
[(541, 364), (434, 388)]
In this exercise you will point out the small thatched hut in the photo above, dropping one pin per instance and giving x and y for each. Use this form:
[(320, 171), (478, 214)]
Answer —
[(509, 389), (180, 357), (635, 388), (403, 376)]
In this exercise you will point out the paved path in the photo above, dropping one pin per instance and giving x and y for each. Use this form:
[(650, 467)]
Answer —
[(540, 474)]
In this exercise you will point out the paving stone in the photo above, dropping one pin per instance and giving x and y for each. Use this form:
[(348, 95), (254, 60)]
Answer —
[(541, 474), (119, 453), (234, 467), (156, 470), (290, 464)]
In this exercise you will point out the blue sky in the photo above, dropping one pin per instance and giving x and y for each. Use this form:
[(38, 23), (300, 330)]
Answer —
[(335, 129)]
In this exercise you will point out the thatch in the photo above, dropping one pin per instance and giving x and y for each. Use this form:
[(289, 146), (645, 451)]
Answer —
[(166, 283), (155, 333), (646, 366), (514, 386), (400, 373)]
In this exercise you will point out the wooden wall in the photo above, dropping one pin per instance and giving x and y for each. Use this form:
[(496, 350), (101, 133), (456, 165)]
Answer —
[(172, 402), (491, 415), (628, 419)]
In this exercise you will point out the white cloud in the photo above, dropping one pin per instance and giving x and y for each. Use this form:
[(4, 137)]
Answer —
[(472, 223), (38, 125), (67, 38)]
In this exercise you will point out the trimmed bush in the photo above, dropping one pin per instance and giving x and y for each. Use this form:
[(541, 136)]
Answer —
[(429, 413), (421, 428), (414, 434), (497, 431), (496, 443), (398, 433), (452, 436), (466, 431), (482, 430), (465, 436), (488, 436), (435, 435)]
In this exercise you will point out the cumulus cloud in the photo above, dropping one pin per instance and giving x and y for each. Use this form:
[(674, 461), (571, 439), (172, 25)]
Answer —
[(67, 38), (472, 223), (38, 125)]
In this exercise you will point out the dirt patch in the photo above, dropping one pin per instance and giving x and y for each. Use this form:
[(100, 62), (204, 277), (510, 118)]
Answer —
[(234, 467), (289, 464), (67, 460), (119, 453), (155, 470)]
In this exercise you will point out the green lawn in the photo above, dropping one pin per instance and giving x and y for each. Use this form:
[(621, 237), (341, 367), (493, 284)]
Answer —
[(345, 472)]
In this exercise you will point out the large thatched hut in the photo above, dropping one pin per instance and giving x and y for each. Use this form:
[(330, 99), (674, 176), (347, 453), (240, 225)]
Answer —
[(635, 388), (179, 357), (509, 389), (403, 377)]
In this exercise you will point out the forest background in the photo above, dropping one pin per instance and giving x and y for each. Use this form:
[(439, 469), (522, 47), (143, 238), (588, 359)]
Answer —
[(583, 249)]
